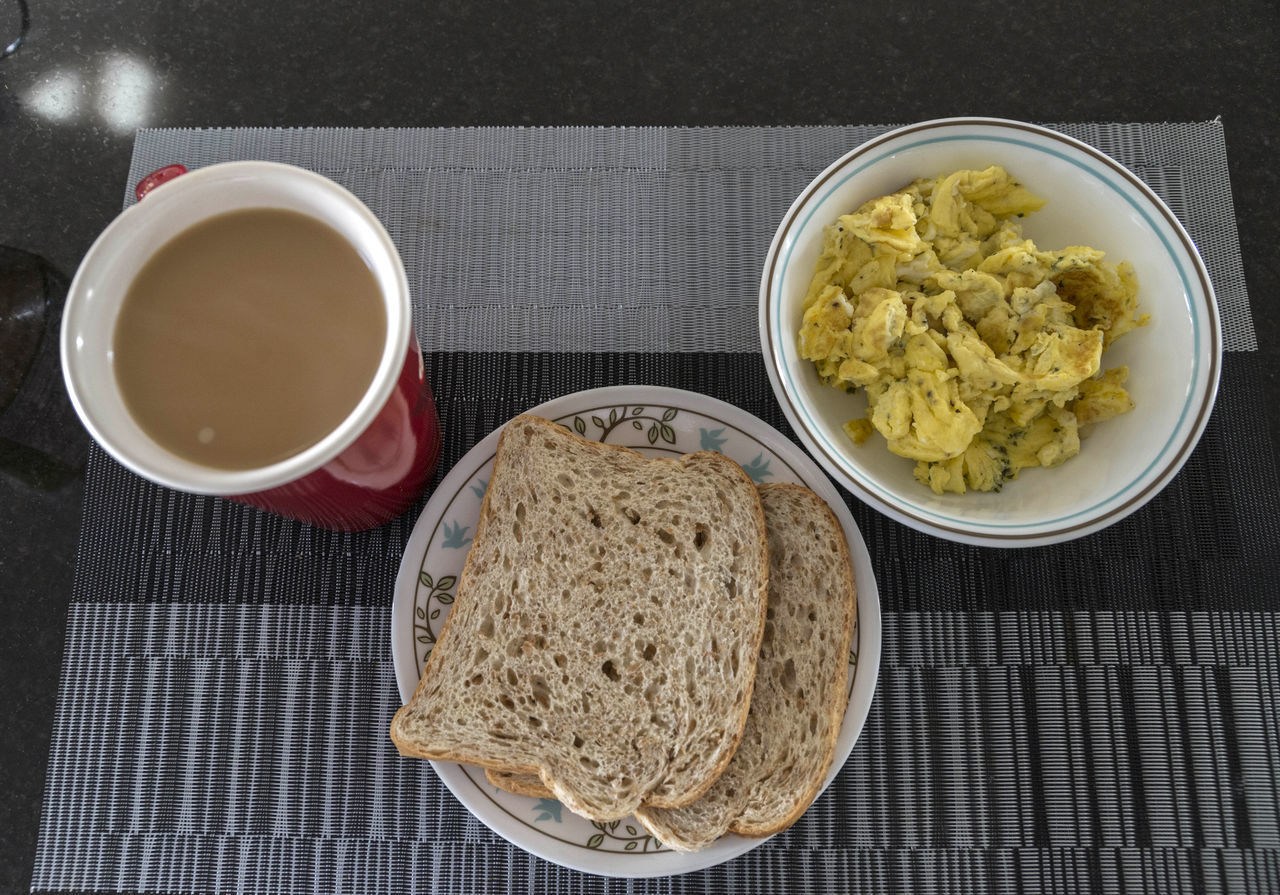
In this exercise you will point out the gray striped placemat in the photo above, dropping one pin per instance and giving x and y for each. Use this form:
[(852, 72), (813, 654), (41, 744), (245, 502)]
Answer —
[(1099, 716)]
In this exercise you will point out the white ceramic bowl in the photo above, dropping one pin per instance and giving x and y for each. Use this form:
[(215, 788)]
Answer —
[(1174, 361)]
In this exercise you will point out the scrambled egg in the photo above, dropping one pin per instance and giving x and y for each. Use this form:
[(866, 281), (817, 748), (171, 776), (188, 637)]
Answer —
[(978, 352)]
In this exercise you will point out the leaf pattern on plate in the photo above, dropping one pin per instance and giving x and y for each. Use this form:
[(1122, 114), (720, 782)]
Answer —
[(711, 440), (454, 536), (631, 839), (758, 468), (548, 809), (641, 418), (425, 614)]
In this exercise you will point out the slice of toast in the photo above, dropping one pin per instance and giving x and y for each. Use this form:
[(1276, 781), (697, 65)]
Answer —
[(800, 693), (801, 684), (606, 626)]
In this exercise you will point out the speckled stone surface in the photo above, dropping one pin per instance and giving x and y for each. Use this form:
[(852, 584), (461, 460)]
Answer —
[(88, 74)]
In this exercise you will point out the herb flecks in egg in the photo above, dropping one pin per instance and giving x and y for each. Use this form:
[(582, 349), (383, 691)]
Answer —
[(979, 353)]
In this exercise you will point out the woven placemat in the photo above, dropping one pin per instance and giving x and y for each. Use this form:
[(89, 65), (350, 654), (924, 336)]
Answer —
[(1098, 716)]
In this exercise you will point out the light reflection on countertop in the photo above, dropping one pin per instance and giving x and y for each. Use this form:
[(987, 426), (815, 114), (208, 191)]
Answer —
[(118, 88), (126, 92), (55, 96)]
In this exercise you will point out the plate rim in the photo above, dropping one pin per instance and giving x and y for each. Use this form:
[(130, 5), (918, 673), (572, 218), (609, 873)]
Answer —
[(866, 671)]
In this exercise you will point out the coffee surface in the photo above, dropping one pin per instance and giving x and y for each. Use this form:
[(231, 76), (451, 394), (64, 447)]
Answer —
[(248, 337)]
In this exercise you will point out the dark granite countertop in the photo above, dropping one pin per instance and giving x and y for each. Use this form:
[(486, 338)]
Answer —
[(87, 74)]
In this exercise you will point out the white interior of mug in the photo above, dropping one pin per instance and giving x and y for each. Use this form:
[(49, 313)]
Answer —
[(126, 245)]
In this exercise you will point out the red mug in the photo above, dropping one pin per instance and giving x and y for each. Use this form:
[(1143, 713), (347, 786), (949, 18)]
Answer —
[(364, 472)]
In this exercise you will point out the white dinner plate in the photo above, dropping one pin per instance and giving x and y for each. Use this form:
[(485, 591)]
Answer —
[(656, 422)]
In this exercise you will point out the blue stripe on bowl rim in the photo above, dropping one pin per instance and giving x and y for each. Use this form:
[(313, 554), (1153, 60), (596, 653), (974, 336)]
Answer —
[(1036, 529)]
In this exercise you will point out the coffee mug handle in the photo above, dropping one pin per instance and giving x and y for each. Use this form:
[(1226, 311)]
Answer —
[(156, 178)]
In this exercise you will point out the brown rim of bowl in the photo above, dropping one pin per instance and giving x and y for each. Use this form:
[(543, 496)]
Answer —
[(1208, 393)]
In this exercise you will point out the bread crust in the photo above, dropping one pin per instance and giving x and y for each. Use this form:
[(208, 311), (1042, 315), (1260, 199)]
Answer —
[(758, 558), (529, 785)]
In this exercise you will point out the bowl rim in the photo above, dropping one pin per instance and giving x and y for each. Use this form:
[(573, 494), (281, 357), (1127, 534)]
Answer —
[(1116, 505)]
